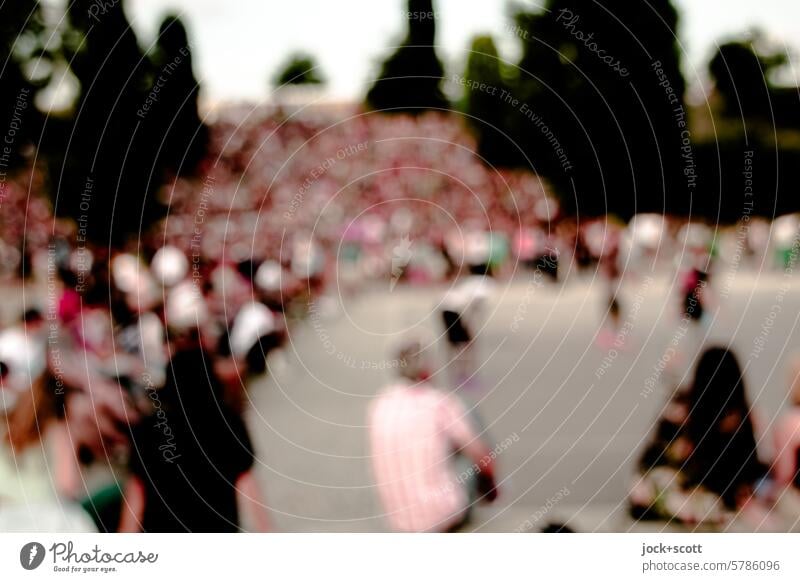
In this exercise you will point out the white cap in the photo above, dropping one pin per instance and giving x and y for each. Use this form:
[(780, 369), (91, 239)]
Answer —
[(169, 266), (307, 260), (186, 308), (125, 271), (785, 229), (25, 357), (695, 235), (253, 321), (646, 230), (471, 292), (268, 276), (545, 209), (476, 247), (145, 294)]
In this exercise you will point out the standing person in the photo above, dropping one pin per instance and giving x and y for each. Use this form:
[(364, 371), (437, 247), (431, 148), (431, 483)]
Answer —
[(608, 266), (696, 277), (693, 293), (242, 354), (139, 338), (191, 456), (415, 430), (462, 309)]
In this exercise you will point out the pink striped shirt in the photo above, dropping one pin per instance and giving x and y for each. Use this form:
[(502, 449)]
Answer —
[(414, 431)]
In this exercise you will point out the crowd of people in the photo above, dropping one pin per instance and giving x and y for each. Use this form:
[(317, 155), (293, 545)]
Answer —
[(123, 381), (346, 194), (136, 369)]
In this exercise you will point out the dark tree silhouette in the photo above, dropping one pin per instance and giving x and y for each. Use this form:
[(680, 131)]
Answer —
[(739, 75), (22, 42), (103, 179), (135, 120), (174, 125), (410, 80), (755, 120), (488, 109), (742, 79), (299, 69), (604, 104)]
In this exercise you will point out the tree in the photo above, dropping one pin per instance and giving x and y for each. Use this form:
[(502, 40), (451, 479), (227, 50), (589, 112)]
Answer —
[(23, 71), (104, 181), (756, 131), (299, 69), (742, 71), (602, 104), (410, 80), (175, 127), (134, 118)]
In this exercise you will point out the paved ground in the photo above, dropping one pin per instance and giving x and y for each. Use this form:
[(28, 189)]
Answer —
[(580, 411)]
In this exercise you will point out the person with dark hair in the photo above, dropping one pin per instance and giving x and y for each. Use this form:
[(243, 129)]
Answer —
[(462, 310), (724, 457), (557, 528), (242, 350), (692, 294), (253, 335), (695, 290), (32, 316), (702, 463), (191, 457)]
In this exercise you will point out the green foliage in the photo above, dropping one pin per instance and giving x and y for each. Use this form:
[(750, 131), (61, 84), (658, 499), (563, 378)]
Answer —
[(743, 73), (175, 124), (134, 123), (483, 65), (103, 176), (593, 112), (299, 69), (753, 114), (25, 69), (410, 79), (485, 104)]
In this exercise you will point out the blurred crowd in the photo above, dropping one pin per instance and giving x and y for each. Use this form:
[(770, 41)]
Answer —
[(128, 359), (311, 195), (128, 376)]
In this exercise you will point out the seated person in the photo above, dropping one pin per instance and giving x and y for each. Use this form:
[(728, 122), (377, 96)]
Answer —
[(702, 464), (38, 473), (415, 432)]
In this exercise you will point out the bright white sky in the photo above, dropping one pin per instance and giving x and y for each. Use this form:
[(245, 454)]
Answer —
[(238, 44)]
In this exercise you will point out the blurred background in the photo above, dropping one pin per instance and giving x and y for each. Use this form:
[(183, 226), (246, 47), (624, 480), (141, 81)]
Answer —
[(598, 193), (729, 66)]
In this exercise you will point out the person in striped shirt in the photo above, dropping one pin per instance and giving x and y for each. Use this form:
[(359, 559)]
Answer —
[(416, 432)]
